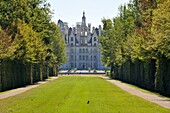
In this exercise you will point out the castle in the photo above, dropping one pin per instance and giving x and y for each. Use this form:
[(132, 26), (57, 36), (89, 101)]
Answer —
[(82, 46)]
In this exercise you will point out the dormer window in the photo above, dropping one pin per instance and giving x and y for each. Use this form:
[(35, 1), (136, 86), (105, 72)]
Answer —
[(71, 38), (94, 44), (94, 38), (71, 44)]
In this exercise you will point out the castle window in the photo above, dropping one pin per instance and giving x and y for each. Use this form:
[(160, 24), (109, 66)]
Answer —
[(71, 57), (94, 57), (72, 51), (72, 65), (86, 50), (95, 65), (71, 38), (83, 65), (86, 57), (83, 57), (80, 50), (80, 57), (87, 65), (83, 50)]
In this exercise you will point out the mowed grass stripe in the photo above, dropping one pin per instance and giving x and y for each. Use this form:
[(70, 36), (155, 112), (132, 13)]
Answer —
[(70, 95)]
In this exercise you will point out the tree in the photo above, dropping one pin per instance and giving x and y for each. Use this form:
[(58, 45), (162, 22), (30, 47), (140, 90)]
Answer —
[(31, 47), (57, 45), (104, 41), (161, 28), (7, 45)]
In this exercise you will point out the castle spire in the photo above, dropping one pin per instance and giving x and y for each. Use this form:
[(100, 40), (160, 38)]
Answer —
[(83, 14), (83, 19)]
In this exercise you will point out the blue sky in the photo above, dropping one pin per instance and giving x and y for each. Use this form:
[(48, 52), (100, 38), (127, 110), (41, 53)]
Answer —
[(71, 11)]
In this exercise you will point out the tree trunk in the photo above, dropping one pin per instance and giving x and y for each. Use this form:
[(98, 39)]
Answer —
[(0, 75), (41, 74), (112, 70), (31, 73), (56, 70), (47, 72)]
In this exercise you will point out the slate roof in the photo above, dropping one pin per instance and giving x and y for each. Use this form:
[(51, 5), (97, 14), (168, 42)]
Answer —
[(60, 22), (90, 41), (76, 40)]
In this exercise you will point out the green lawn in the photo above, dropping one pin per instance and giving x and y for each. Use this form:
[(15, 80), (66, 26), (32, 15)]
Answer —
[(70, 95)]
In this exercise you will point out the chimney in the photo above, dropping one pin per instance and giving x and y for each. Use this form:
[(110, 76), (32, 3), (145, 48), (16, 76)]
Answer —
[(100, 27), (93, 28)]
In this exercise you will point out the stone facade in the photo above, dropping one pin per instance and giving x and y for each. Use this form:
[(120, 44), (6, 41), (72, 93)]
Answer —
[(82, 46)]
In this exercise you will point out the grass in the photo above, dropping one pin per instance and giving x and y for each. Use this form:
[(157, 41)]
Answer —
[(70, 95)]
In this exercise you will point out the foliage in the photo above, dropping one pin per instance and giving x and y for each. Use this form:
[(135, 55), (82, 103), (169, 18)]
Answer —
[(138, 35), (130, 36), (161, 28), (31, 47), (58, 44), (104, 41), (7, 46), (30, 21), (28, 36)]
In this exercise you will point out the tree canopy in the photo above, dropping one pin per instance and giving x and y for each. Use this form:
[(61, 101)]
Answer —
[(28, 33), (139, 32)]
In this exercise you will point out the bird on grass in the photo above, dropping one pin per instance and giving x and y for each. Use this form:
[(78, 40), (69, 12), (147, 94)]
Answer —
[(88, 102)]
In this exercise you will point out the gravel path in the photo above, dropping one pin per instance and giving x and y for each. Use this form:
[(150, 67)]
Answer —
[(162, 101), (23, 89)]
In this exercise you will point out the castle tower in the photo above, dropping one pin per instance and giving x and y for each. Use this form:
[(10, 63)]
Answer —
[(83, 25)]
